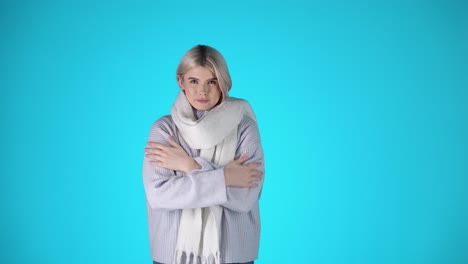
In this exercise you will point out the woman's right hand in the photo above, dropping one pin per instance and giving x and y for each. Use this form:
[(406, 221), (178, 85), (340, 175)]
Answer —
[(237, 174)]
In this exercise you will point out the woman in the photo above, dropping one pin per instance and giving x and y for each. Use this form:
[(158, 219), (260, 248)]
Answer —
[(203, 170)]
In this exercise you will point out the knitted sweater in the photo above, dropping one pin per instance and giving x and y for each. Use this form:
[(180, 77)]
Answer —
[(167, 192)]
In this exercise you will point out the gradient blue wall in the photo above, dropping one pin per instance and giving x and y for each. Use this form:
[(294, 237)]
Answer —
[(362, 107)]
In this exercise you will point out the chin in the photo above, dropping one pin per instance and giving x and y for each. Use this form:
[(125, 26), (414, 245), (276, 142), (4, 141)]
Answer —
[(205, 108)]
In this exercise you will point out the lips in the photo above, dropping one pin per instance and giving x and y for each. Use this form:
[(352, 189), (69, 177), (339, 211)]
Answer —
[(202, 101)]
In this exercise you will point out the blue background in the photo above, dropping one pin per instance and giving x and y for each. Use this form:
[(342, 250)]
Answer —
[(362, 109)]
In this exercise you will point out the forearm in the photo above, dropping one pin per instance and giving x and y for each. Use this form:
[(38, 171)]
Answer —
[(167, 189), (243, 199), (206, 186), (199, 188)]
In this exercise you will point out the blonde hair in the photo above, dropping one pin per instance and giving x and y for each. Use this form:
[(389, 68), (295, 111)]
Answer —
[(206, 56)]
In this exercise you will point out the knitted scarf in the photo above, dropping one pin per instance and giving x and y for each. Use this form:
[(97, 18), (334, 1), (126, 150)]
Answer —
[(215, 134)]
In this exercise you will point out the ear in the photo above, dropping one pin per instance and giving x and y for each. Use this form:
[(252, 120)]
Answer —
[(180, 80)]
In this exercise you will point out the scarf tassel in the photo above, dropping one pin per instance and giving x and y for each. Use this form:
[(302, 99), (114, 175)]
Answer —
[(181, 258)]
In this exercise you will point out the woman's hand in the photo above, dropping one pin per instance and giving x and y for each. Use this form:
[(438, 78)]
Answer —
[(171, 157), (237, 174)]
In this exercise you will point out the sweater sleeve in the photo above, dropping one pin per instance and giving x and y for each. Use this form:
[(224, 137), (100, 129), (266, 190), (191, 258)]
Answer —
[(171, 190), (243, 199)]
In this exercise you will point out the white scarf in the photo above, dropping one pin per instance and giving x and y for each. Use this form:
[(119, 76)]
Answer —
[(215, 134)]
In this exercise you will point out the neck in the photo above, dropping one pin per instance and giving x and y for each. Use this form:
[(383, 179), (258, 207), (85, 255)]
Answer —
[(199, 113)]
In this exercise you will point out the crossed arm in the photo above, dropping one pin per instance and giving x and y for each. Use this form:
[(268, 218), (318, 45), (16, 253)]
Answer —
[(173, 157), (175, 180)]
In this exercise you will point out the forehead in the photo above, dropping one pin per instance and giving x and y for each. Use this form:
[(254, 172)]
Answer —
[(200, 72)]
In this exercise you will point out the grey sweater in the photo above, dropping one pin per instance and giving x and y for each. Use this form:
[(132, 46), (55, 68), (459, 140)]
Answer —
[(168, 192)]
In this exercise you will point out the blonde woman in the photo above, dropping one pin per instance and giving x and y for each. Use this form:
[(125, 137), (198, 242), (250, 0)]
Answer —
[(203, 170)]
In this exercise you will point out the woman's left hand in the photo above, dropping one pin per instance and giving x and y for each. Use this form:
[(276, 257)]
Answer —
[(171, 157)]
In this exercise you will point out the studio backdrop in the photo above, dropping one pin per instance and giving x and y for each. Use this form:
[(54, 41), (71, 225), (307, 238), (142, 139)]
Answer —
[(361, 105)]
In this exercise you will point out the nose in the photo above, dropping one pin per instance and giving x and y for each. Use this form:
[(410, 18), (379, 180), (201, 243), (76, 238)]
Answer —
[(204, 89)]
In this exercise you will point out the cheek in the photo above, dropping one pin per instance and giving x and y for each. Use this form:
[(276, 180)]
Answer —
[(182, 86), (186, 88)]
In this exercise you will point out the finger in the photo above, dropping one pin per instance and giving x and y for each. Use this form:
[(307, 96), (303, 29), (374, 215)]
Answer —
[(149, 156), (255, 177), (253, 185), (150, 150), (258, 179), (255, 173), (151, 143), (155, 157), (157, 163), (243, 158), (255, 180), (158, 145), (254, 165), (155, 151)]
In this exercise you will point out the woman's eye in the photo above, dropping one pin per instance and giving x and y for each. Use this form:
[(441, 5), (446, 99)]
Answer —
[(212, 82), (193, 81)]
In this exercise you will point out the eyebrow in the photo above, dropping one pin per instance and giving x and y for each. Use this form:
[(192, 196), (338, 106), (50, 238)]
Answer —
[(193, 78)]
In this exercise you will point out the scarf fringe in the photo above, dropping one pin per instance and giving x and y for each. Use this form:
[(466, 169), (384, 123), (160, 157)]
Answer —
[(182, 257)]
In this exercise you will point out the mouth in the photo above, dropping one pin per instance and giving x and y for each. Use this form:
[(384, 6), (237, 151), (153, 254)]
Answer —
[(202, 101)]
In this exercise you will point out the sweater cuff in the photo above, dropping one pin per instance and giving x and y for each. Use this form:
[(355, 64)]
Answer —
[(205, 165), (212, 178)]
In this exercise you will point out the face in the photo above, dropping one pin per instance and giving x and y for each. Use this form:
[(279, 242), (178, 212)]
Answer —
[(201, 88)]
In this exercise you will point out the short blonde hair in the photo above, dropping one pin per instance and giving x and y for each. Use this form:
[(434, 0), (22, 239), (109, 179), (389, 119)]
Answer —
[(206, 56)]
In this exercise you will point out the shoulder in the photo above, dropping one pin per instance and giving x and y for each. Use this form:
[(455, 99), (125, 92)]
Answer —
[(248, 129), (164, 124), (243, 106), (247, 121), (237, 101)]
